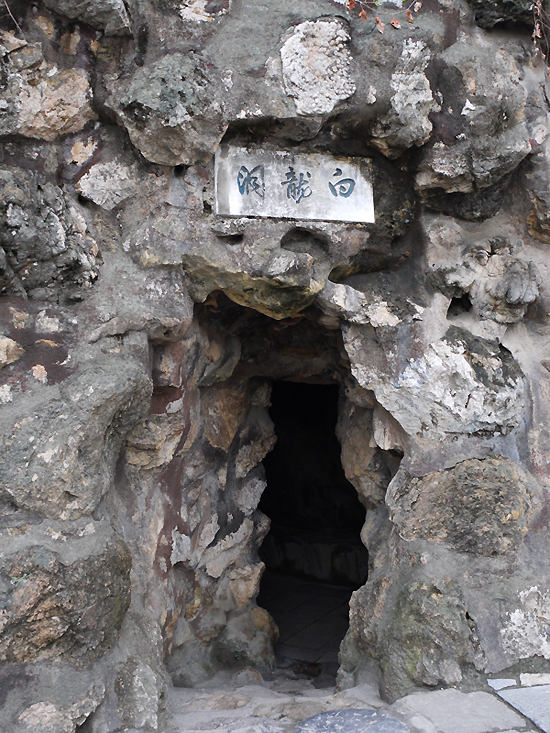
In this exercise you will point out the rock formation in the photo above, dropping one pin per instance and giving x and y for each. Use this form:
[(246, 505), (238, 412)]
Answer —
[(141, 333)]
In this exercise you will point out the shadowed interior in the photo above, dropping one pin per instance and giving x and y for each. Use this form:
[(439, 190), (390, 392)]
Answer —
[(313, 552)]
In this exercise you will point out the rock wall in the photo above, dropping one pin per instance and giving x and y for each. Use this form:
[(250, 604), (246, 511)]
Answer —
[(141, 333)]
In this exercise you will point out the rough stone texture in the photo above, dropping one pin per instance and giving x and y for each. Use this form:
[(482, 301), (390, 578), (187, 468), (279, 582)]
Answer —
[(482, 507), (408, 123), (482, 93), (315, 61), (46, 251), (39, 100), (172, 111), (457, 385), (489, 14), (140, 334), (76, 432), (109, 15), (66, 588)]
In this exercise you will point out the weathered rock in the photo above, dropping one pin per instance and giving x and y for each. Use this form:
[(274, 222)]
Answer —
[(109, 15), (427, 641), (500, 286), (67, 448), (489, 14), (247, 639), (141, 410), (407, 123), (315, 64), (172, 110), (10, 351), (50, 698), (481, 507), (458, 385), (45, 248), (66, 588), (368, 469), (107, 184), (40, 100), (537, 177), (484, 101)]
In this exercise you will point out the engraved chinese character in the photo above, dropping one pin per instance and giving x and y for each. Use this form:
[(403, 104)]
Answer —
[(344, 187), (297, 188), (251, 181)]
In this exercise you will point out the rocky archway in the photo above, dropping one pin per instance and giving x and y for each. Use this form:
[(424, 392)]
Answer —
[(278, 367)]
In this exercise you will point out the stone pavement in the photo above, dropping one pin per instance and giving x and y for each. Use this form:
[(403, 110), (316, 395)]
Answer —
[(531, 696), (245, 703)]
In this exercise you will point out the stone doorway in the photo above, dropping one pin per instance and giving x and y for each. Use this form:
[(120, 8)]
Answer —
[(313, 553)]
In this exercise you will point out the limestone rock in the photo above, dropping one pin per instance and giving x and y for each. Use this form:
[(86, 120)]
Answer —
[(67, 444), (45, 248), (10, 351), (481, 507), (458, 385), (107, 184), (315, 65), (524, 632), (243, 642), (172, 110), (66, 589), (537, 178), (366, 469), (42, 101), (489, 14), (109, 15), (482, 93), (407, 123), (48, 718), (491, 274), (52, 699), (427, 640), (139, 685), (142, 332)]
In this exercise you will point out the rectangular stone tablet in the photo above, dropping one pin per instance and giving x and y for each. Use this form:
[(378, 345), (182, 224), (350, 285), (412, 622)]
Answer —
[(285, 185)]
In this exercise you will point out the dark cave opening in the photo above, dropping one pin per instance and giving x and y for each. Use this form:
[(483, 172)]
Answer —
[(313, 553)]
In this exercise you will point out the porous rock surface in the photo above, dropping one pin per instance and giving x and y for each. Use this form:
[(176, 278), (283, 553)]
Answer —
[(140, 333)]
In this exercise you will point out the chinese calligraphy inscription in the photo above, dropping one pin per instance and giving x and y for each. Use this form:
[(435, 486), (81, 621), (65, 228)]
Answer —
[(297, 189), (251, 181), (284, 185), (343, 187)]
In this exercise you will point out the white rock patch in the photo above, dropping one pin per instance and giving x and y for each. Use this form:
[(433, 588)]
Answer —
[(316, 64)]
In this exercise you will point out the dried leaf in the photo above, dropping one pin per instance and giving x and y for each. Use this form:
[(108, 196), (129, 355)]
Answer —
[(351, 4), (363, 15), (410, 16), (417, 6), (395, 23), (379, 24), (536, 32)]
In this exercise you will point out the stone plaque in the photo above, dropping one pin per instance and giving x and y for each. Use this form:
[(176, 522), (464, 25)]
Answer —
[(285, 185)]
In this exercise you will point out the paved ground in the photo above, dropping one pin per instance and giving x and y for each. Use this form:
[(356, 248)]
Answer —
[(312, 620)]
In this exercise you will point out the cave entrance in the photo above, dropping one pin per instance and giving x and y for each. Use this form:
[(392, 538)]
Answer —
[(313, 553)]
